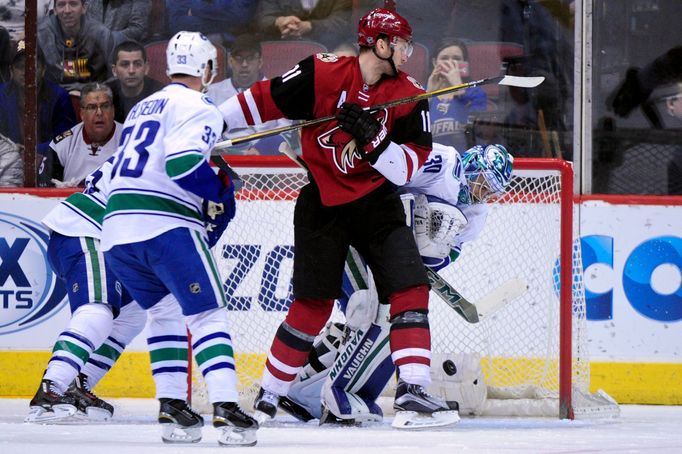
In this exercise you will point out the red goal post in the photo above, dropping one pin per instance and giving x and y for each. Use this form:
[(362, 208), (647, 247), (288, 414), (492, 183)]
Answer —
[(533, 351)]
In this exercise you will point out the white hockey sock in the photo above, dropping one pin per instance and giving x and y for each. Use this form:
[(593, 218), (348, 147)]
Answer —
[(415, 373), (213, 351), (87, 329), (129, 323), (168, 343)]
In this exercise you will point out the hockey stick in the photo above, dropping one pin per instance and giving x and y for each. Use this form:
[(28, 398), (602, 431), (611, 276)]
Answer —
[(511, 81), (500, 297), (452, 297), (486, 306), (225, 167)]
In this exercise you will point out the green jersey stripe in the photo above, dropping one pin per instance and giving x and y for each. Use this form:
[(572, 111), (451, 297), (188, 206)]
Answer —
[(97, 281), (87, 206), (183, 164), (136, 202)]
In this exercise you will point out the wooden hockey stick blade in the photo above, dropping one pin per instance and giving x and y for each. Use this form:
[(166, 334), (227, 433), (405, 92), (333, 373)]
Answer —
[(224, 166), (452, 297), (510, 81), (500, 297)]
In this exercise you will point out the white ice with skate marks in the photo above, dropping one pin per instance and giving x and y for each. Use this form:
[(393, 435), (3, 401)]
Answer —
[(134, 430)]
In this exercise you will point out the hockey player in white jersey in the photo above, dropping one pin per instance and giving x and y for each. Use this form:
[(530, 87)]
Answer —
[(350, 365), (74, 222), (95, 297), (162, 188)]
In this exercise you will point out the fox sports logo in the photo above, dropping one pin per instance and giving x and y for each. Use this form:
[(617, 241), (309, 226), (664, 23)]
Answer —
[(30, 293)]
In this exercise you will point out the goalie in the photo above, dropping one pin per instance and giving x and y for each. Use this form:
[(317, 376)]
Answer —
[(351, 364)]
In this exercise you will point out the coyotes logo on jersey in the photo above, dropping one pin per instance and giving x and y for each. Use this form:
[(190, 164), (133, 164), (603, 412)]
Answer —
[(344, 151)]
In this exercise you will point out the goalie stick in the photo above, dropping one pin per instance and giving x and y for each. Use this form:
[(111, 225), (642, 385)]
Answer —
[(486, 306), (510, 81)]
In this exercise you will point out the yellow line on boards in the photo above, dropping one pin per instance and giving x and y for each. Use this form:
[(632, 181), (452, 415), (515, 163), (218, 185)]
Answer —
[(628, 383)]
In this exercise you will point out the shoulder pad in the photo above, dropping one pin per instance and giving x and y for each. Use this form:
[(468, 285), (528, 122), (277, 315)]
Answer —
[(63, 136)]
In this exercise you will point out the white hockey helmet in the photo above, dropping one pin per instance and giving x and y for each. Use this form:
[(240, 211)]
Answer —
[(488, 171), (190, 53)]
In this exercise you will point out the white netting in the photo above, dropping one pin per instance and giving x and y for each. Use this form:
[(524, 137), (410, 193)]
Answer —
[(519, 344)]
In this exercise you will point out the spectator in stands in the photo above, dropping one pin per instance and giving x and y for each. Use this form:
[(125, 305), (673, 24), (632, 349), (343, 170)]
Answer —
[(5, 55), (324, 21), (11, 164), (246, 62), (131, 83), (220, 20), (76, 47), (450, 112), (12, 17), (55, 111), (78, 151), (127, 19)]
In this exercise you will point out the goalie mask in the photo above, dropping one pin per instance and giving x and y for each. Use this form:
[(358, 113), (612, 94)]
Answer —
[(190, 53), (488, 171)]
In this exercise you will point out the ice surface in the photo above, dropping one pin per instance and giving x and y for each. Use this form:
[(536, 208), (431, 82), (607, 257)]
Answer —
[(134, 430)]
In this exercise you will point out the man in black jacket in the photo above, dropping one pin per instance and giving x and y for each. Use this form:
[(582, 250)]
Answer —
[(131, 83)]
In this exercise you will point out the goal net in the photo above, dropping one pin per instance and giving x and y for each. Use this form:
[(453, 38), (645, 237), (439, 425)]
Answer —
[(533, 350)]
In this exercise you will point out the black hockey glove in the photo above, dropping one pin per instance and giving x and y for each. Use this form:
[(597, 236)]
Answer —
[(371, 137)]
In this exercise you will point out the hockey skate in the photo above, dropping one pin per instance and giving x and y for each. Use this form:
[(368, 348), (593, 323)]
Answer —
[(87, 403), (180, 423), (265, 406), (49, 405), (417, 409), (236, 427)]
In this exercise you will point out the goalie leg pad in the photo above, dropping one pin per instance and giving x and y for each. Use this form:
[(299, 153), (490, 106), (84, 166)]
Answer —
[(303, 399), (359, 375), (459, 378)]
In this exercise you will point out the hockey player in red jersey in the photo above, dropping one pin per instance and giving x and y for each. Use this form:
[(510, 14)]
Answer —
[(356, 163)]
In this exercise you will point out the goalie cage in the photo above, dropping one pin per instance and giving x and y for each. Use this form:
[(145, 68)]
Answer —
[(533, 350)]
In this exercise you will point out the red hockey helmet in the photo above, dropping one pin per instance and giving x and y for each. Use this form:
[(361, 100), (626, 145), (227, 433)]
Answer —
[(381, 21)]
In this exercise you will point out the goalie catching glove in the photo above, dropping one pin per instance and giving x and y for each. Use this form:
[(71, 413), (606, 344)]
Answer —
[(436, 226), (218, 215), (371, 137)]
